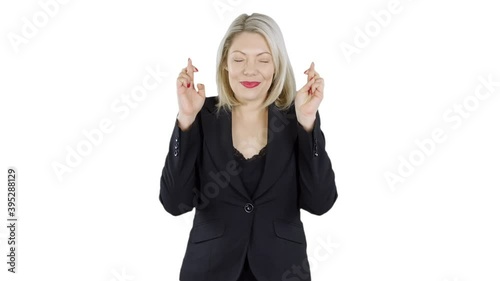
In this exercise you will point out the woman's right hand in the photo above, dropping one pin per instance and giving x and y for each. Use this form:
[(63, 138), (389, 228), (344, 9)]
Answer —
[(190, 100)]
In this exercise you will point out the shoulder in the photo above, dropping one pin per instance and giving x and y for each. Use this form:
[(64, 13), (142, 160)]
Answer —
[(210, 107), (210, 104)]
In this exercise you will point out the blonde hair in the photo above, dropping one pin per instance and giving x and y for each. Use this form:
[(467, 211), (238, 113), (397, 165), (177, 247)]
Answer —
[(282, 89)]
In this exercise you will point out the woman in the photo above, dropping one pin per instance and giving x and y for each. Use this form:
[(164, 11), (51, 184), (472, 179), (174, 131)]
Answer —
[(248, 160)]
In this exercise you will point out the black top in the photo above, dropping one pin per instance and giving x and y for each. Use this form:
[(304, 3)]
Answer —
[(252, 170)]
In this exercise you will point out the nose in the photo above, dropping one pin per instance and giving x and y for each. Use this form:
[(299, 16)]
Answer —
[(249, 68)]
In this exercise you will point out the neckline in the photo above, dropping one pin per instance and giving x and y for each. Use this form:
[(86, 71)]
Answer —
[(253, 157), (236, 153)]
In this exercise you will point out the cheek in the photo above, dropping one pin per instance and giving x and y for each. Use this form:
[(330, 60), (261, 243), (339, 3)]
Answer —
[(233, 72), (233, 75), (268, 73)]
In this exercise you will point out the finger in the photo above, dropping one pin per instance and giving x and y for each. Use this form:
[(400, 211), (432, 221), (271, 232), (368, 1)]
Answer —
[(318, 86), (316, 75), (307, 86), (190, 72), (184, 70), (308, 72), (184, 81), (201, 89), (318, 81), (315, 78), (311, 72), (185, 78), (181, 82), (182, 77), (195, 69), (191, 66)]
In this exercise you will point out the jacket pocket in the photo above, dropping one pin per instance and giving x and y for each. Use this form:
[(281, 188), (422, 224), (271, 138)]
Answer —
[(207, 231), (289, 231)]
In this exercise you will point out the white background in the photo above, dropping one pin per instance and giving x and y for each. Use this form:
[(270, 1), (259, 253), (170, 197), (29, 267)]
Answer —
[(103, 220)]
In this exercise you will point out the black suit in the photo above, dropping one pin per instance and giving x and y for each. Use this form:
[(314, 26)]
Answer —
[(200, 171)]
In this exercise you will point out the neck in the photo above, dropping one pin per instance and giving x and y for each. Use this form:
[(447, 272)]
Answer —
[(250, 112)]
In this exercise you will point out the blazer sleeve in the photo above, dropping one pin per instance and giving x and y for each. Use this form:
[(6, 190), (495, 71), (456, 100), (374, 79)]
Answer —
[(316, 179), (179, 181)]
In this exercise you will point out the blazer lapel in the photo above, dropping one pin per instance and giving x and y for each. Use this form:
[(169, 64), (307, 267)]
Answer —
[(281, 135), (218, 137)]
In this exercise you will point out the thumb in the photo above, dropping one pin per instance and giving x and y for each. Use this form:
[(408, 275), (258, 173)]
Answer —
[(201, 89)]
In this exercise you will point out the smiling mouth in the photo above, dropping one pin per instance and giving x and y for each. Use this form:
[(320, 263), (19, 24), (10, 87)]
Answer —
[(250, 84)]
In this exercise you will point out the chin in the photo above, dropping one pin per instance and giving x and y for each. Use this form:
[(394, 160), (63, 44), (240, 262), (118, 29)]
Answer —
[(248, 96)]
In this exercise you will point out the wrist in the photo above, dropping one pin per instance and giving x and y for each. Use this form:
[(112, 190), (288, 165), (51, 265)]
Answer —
[(185, 121), (307, 123)]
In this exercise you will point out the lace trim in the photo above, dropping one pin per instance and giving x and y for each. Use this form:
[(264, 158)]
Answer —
[(261, 153)]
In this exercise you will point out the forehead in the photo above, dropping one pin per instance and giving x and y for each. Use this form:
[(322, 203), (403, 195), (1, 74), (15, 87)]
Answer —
[(249, 43)]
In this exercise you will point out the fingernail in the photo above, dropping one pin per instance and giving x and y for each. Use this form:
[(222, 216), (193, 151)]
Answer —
[(196, 69), (189, 84), (305, 72)]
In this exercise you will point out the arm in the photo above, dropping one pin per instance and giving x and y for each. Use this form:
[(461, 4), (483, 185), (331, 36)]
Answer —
[(316, 179), (179, 180)]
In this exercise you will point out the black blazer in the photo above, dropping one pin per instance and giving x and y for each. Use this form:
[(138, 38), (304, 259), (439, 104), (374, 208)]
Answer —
[(201, 172)]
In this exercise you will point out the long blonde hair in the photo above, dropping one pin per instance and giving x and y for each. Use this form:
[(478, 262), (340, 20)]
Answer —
[(282, 90)]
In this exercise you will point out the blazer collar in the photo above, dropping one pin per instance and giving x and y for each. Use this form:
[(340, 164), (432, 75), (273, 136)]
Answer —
[(281, 135)]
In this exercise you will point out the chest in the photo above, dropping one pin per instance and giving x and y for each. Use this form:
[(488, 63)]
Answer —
[(249, 138)]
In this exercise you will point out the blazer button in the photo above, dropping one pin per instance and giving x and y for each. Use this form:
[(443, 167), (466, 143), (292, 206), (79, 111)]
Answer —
[(248, 208)]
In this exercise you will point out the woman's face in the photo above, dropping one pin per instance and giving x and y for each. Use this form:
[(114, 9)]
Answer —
[(250, 67)]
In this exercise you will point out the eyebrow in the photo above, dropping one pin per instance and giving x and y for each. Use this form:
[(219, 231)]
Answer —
[(245, 54)]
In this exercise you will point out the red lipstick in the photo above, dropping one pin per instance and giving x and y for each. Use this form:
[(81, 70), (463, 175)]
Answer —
[(250, 84)]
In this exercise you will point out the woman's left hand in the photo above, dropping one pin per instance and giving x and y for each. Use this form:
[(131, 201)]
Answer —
[(308, 98)]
